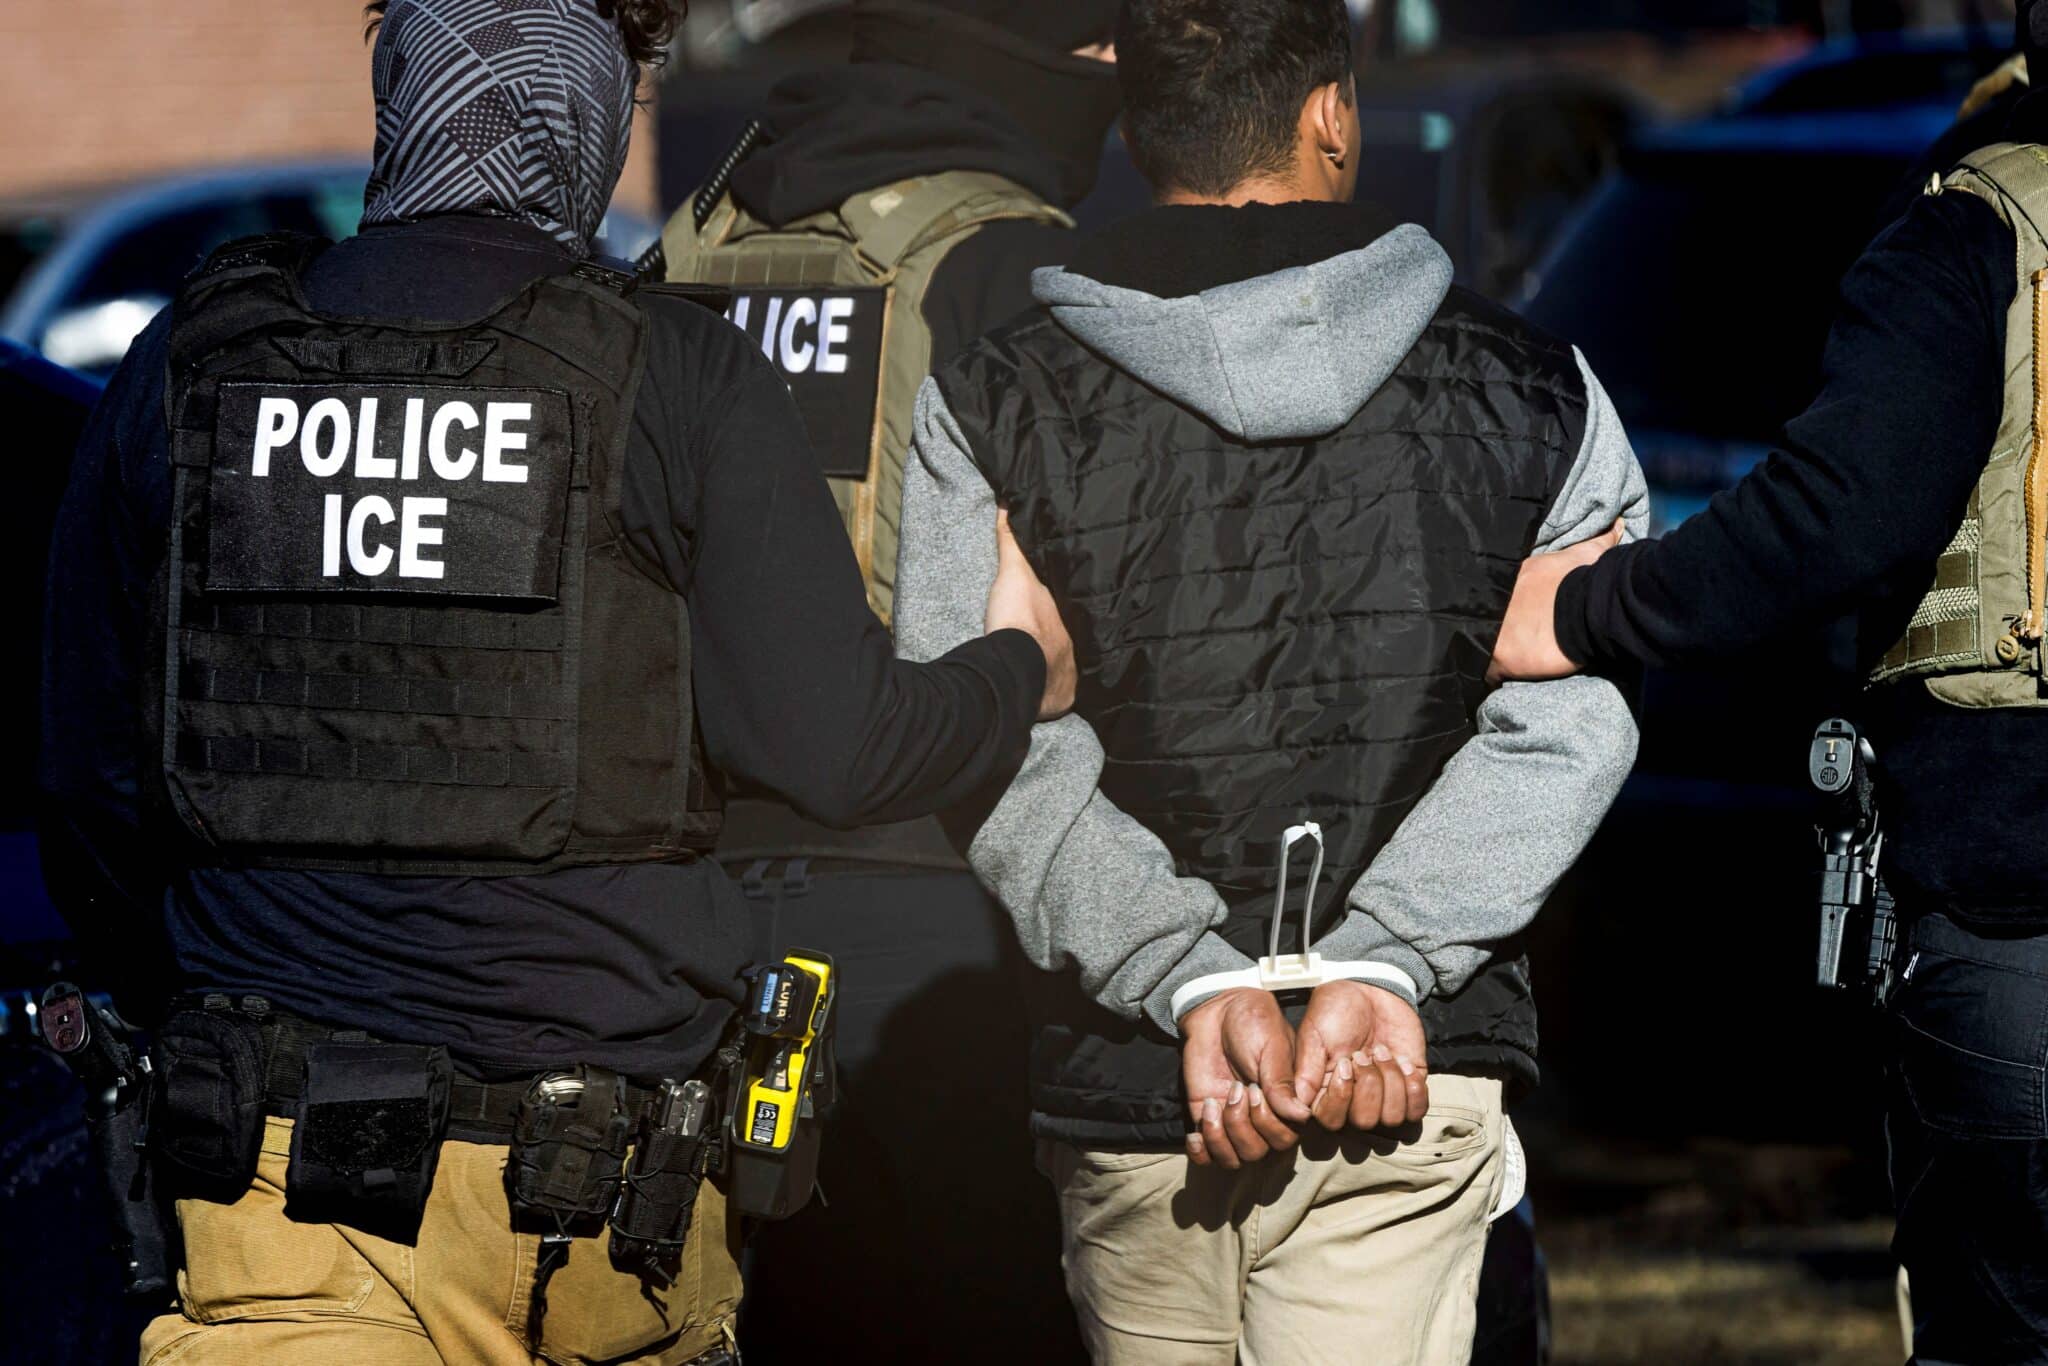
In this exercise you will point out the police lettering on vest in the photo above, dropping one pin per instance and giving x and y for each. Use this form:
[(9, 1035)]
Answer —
[(355, 488), (827, 346)]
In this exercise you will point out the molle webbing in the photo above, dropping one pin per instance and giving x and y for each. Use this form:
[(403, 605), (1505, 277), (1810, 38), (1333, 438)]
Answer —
[(877, 250), (470, 678), (1943, 633)]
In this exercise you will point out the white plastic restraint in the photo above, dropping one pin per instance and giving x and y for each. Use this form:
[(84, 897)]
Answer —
[(1289, 972), (1303, 971)]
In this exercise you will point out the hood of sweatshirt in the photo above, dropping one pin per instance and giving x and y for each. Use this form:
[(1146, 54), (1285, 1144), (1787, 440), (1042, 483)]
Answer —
[(1330, 301)]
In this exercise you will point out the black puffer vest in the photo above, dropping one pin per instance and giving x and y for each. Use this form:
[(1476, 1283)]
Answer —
[(1271, 632)]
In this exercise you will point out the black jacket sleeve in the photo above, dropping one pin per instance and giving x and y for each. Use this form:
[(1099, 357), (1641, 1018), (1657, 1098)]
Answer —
[(1872, 480), (798, 687)]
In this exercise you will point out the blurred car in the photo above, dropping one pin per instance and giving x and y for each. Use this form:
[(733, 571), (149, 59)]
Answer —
[(1700, 279), (1411, 25), (1492, 160), (84, 271), (1926, 67)]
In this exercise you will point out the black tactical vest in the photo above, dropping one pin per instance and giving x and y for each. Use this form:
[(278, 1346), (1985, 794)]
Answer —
[(398, 630), (1273, 632)]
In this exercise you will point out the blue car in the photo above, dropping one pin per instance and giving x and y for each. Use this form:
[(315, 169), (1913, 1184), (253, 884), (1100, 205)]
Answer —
[(90, 269), (1700, 277)]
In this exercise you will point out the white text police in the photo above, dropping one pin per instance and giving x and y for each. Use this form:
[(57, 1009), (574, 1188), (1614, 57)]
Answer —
[(438, 442)]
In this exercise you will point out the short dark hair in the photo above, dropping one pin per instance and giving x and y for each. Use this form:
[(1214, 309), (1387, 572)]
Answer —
[(1213, 89), (646, 25)]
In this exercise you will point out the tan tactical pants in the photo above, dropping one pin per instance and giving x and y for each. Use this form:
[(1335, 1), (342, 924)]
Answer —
[(261, 1290), (1352, 1248)]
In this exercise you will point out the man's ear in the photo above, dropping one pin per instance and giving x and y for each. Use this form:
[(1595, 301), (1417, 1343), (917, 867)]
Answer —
[(1325, 119)]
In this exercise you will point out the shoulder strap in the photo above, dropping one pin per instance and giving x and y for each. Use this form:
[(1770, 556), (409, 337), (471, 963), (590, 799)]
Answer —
[(235, 290), (685, 242), (2017, 174), (887, 225), (284, 252), (713, 297), (892, 223)]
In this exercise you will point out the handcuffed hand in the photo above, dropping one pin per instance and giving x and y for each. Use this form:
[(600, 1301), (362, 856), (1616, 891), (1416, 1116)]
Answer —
[(1360, 1058), (1236, 1059), (1527, 650), (1019, 601)]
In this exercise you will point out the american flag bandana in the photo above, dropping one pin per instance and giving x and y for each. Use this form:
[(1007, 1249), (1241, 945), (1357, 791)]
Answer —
[(517, 108)]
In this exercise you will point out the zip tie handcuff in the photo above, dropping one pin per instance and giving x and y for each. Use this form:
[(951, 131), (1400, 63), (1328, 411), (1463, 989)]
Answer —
[(1302, 971)]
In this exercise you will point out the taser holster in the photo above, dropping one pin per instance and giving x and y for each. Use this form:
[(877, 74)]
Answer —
[(784, 1081)]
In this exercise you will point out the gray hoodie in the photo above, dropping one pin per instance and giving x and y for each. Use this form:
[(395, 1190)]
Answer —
[(1287, 356)]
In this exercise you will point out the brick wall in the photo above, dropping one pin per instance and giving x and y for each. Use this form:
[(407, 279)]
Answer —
[(102, 90)]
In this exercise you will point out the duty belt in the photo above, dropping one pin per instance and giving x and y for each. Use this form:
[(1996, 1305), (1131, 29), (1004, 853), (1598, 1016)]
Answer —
[(478, 1111)]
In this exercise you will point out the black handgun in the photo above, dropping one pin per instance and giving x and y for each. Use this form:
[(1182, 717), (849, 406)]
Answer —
[(1855, 907), (116, 1081)]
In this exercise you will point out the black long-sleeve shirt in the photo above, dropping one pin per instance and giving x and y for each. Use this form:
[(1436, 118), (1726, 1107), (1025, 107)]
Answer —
[(797, 689), (1846, 520)]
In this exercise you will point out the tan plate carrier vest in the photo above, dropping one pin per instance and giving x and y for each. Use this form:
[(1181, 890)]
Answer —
[(893, 237), (1976, 636)]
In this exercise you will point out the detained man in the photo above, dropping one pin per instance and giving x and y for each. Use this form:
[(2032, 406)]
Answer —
[(1278, 474)]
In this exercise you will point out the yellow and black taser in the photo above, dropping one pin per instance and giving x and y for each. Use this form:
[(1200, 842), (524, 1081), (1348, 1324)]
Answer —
[(783, 1084)]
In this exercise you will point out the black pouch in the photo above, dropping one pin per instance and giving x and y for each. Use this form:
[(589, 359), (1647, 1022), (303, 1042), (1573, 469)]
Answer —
[(206, 1116), (569, 1149), (368, 1135), (653, 1217)]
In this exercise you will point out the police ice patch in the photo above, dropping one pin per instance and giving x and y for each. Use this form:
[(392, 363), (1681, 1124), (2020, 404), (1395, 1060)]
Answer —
[(827, 345), (456, 492)]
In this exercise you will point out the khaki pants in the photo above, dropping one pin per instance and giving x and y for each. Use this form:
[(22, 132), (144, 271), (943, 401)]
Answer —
[(1353, 1248), (261, 1290)]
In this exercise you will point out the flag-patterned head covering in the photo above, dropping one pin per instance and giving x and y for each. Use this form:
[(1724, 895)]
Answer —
[(519, 108)]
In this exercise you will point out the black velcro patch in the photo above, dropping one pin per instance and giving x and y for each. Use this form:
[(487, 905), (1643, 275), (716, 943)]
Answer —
[(361, 1135), (439, 489), (826, 343)]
